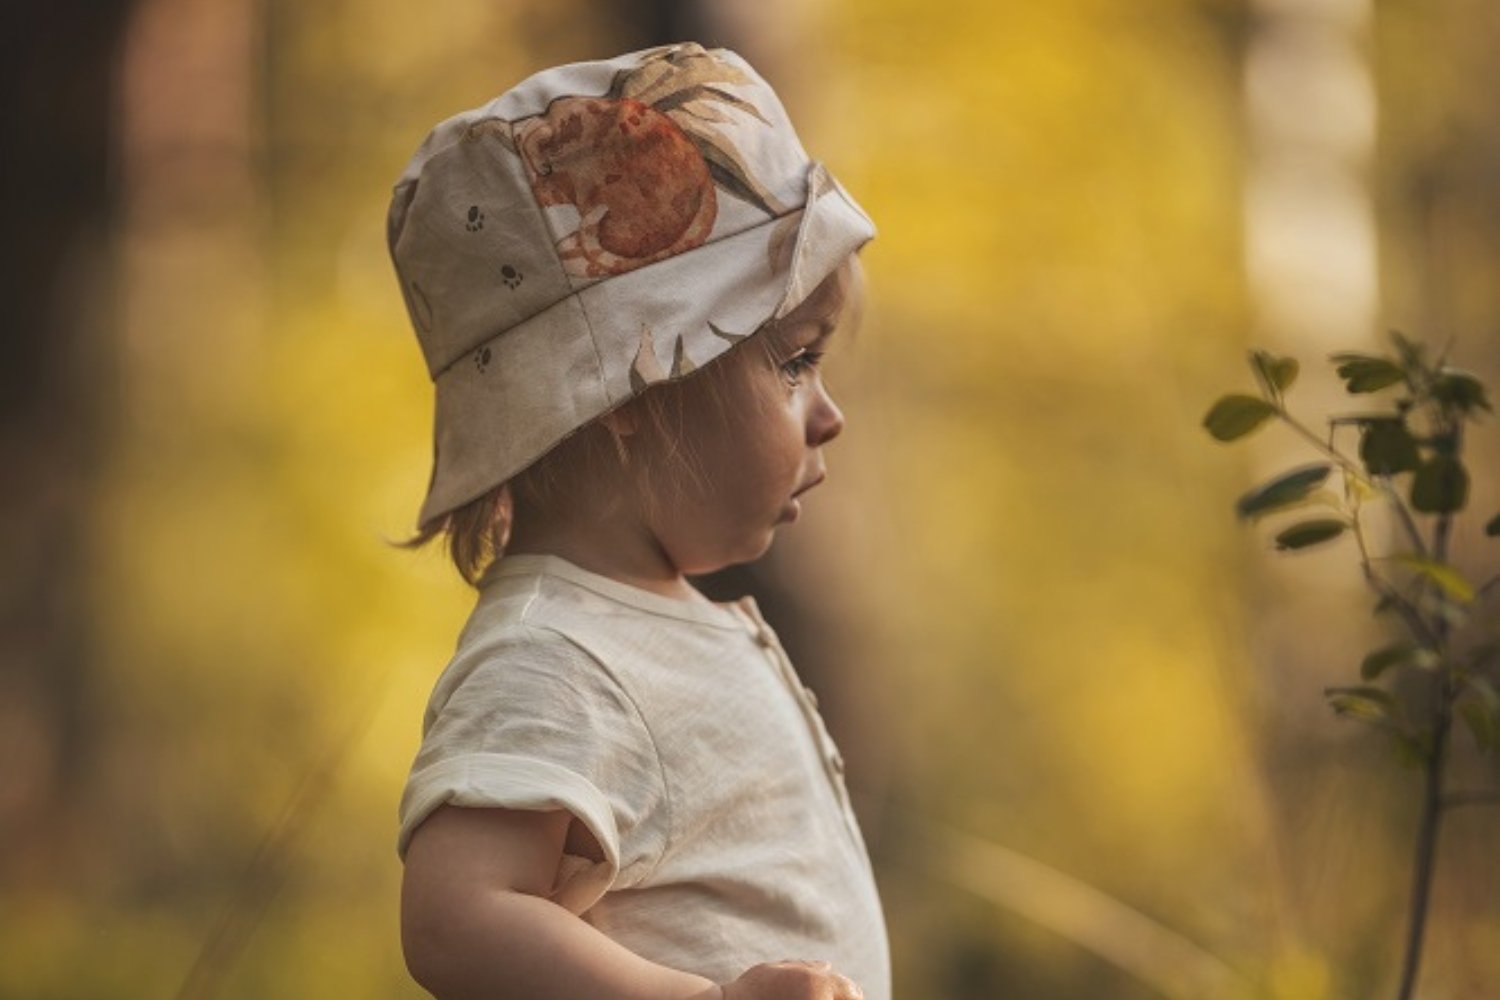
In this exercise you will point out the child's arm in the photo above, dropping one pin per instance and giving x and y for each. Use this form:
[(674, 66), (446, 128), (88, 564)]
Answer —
[(474, 923)]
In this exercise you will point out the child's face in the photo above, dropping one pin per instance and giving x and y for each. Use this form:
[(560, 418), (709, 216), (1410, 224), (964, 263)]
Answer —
[(759, 450)]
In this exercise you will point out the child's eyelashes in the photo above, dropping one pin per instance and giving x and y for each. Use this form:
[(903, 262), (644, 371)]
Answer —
[(799, 365)]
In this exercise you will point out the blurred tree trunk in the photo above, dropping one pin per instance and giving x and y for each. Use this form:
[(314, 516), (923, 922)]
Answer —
[(805, 624), (640, 24), (57, 63)]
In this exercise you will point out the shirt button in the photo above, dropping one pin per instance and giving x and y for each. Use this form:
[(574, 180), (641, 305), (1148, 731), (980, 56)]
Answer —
[(812, 696), (763, 637), (837, 760)]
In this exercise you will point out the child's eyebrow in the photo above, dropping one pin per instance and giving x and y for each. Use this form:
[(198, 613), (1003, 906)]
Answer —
[(796, 337), (824, 327), (827, 327)]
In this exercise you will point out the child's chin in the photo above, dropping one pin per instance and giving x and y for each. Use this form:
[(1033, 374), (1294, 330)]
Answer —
[(737, 555)]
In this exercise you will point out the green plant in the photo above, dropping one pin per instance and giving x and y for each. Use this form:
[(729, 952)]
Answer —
[(1408, 461)]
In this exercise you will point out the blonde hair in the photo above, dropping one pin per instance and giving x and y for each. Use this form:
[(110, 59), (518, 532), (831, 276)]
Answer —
[(475, 534)]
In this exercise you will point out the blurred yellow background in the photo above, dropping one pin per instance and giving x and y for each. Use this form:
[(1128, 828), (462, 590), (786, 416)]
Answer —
[(1082, 706)]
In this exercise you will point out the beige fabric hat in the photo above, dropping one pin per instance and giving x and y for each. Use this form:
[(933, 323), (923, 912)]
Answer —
[(600, 227)]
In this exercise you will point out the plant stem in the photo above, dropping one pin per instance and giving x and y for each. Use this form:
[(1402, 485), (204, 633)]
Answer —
[(1409, 614), (1427, 839), (1432, 790)]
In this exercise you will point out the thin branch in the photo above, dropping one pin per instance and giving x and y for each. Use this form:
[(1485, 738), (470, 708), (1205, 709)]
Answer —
[(1407, 523), (1344, 461), (1433, 798), (1350, 466), (1415, 623)]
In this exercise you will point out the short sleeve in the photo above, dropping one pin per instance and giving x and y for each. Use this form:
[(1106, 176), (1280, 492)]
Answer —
[(525, 719)]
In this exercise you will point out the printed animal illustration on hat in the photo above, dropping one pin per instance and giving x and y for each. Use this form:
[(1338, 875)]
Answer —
[(642, 162)]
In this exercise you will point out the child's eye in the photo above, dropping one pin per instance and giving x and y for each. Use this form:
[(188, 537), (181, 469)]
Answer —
[(795, 368)]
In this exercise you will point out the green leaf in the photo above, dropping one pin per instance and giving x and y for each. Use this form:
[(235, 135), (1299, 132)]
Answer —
[(1460, 391), (1367, 372), (1370, 704), (1436, 603), (1492, 528), (1445, 576), (1234, 416), (1483, 690), (1482, 724), (1284, 491), (1381, 660), (1300, 536), (1387, 447), (1399, 654), (1411, 751), (1413, 354), (1441, 485), (1276, 374)]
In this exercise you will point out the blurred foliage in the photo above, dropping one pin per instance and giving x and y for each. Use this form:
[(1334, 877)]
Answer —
[(1408, 465), (1048, 639)]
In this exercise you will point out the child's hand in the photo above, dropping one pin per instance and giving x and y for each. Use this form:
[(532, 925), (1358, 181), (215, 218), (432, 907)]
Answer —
[(792, 981)]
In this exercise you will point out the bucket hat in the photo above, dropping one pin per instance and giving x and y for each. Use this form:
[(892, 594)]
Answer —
[(600, 227)]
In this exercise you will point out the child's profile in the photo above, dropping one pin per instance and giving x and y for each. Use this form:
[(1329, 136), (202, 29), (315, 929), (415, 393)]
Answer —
[(623, 276)]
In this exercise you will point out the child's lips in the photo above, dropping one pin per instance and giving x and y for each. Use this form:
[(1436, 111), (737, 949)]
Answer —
[(803, 489), (793, 508)]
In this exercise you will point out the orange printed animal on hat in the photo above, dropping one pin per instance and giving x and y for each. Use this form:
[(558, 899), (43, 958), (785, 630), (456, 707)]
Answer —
[(640, 163)]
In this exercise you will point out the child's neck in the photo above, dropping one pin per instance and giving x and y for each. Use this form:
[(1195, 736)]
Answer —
[(609, 550)]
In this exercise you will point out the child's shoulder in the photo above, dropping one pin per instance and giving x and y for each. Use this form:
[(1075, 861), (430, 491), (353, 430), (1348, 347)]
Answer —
[(542, 616), (519, 653)]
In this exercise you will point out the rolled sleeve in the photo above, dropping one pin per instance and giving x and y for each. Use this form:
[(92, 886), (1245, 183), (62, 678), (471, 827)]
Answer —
[(528, 720), (492, 780)]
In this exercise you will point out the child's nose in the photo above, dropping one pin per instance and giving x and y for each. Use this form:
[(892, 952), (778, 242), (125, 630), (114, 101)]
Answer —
[(826, 419)]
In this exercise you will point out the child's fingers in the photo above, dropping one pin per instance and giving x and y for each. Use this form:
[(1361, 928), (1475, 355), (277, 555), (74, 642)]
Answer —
[(793, 980), (825, 978), (846, 988)]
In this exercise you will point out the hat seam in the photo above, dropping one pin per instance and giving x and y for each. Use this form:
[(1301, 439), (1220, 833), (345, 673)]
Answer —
[(574, 293), (551, 230)]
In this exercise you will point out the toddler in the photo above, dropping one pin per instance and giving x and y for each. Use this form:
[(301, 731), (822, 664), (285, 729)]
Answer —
[(623, 275)]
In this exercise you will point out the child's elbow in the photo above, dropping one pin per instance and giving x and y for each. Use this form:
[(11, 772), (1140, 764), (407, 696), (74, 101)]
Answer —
[(432, 942), (428, 960)]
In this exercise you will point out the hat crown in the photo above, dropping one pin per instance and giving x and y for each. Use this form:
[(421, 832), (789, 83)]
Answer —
[(580, 173)]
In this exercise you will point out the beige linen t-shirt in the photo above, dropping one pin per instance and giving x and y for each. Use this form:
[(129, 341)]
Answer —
[(679, 734)]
